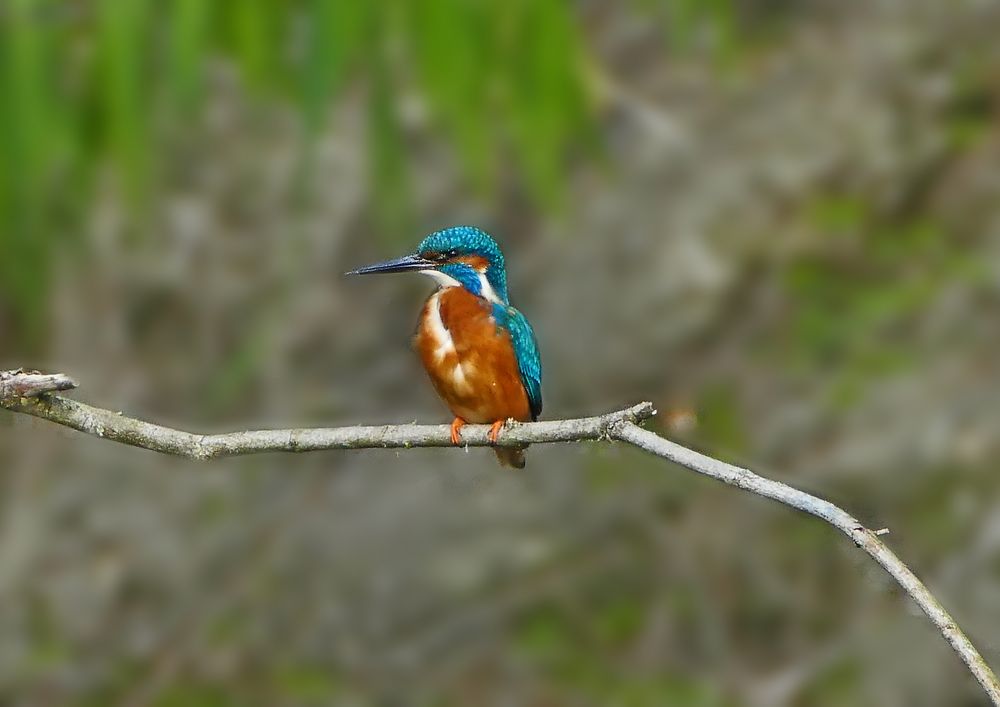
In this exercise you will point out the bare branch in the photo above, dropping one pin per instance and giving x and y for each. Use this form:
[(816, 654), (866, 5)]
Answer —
[(31, 393), (867, 540), (29, 384), (114, 426)]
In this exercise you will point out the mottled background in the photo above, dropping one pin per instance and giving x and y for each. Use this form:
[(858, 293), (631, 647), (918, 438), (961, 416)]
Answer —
[(780, 221)]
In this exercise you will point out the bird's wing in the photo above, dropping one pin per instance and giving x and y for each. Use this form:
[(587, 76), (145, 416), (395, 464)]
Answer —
[(529, 363)]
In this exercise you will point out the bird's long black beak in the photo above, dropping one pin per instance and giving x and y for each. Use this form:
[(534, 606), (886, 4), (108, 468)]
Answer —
[(408, 263)]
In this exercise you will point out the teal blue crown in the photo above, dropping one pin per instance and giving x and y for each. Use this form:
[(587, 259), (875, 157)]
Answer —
[(469, 240)]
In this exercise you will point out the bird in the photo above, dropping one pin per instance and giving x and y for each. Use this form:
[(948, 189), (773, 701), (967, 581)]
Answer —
[(479, 351)]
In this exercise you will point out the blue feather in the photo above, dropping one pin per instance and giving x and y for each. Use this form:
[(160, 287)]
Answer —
[(529, 363), (469, 239), (465, 275)]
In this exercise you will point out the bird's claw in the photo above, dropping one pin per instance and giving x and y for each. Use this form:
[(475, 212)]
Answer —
[(456, 430), (494, 432)]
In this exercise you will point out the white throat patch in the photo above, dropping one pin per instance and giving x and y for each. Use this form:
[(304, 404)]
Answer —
[(441, 279)]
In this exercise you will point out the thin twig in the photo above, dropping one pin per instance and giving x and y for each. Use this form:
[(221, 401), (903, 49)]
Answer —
[(30, 393), (867, 540), (114, 426), (28, 384)]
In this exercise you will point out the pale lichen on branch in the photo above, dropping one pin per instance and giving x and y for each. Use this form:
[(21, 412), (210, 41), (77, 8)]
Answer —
[(20, 383), (31, 393)]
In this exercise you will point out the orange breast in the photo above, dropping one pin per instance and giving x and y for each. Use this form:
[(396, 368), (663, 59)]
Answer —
[(470, 360)]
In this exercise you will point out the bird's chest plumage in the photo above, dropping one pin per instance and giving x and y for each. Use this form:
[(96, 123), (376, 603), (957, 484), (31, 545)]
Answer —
[(470, 360)]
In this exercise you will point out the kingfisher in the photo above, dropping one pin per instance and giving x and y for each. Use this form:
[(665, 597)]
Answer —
[(478, 350)]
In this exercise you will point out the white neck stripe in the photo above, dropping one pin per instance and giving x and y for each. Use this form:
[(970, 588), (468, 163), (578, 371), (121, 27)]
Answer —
[(487, 289)]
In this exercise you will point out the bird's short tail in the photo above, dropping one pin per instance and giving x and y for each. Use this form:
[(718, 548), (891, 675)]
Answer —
[(510, 456)]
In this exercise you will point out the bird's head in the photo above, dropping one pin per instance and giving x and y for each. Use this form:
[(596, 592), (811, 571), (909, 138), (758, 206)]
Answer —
[(463, 256)]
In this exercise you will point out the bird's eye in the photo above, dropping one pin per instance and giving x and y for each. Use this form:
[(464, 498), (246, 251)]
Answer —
[(441, 255)]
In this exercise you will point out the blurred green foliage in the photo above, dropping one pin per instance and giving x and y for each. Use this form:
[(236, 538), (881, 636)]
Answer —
[(304, 684), (49, 647), (853, 296), (192, 694), (90, 84), (580, 656)]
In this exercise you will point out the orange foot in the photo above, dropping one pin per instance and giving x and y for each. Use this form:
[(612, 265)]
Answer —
[(456, 426), (494, 432)]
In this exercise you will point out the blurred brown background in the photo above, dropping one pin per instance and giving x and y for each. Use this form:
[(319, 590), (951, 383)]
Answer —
[(777, 220)]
